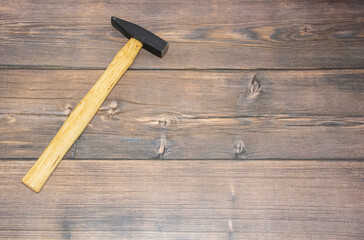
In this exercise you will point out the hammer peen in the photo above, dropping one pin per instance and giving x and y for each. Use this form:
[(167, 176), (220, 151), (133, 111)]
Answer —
[(82, 115)]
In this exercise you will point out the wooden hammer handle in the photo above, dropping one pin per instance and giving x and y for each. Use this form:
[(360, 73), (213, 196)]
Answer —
[(80, 117)]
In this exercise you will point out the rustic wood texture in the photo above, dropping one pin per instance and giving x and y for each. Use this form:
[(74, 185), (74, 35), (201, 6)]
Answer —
[(213, 115), (227, 93), (251, 127), (202, 34), (206, 138), (186, 200)]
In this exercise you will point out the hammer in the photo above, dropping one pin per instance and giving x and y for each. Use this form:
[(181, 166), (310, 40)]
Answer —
[(82, 115)]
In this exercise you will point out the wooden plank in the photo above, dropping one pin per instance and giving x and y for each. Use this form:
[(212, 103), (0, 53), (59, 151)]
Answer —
[(186, 199), (195, 93), (131, 235), (26, 136), (196, 114), (202, 34), (137, 235), (226, 138)]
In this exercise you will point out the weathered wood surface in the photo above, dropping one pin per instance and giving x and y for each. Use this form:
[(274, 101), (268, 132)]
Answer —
[(218, 95), (26, 136), (202, 34), (186, 200), (213, 115), (138, 94)]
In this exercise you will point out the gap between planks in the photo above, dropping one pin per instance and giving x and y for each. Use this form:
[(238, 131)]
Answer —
[(55, 67)]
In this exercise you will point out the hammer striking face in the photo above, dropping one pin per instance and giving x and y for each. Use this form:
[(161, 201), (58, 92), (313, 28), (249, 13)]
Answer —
[(90, 104)]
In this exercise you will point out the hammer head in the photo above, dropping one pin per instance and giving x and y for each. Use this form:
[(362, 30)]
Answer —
[(151, 42)]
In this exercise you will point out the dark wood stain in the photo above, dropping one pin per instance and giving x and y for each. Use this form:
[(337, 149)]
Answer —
[(203, 115), (202, 34), (203, 199), (336, 93), (251, 127)]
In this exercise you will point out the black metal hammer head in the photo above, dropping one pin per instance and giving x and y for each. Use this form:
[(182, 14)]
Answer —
[(151, 42)]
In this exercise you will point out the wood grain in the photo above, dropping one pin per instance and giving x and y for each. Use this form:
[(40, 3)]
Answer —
[(280, 82), (203, 115), (186, 199), (202, 34), (185, 138), (227, 93)]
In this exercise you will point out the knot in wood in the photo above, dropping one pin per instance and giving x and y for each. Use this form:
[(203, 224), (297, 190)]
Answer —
[(307, 29), (239, 147), (162, 122), (10, 119), (254, 88), (162, 148), (67, 109), (114, 104)]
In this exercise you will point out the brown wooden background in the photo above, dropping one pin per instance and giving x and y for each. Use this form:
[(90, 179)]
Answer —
[(251, 127)]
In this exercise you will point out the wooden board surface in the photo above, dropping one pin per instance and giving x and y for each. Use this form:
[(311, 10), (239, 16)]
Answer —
[(186, 200), (207, 138), (251, 127), (214, 115), (202, 34), (337, 93)]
